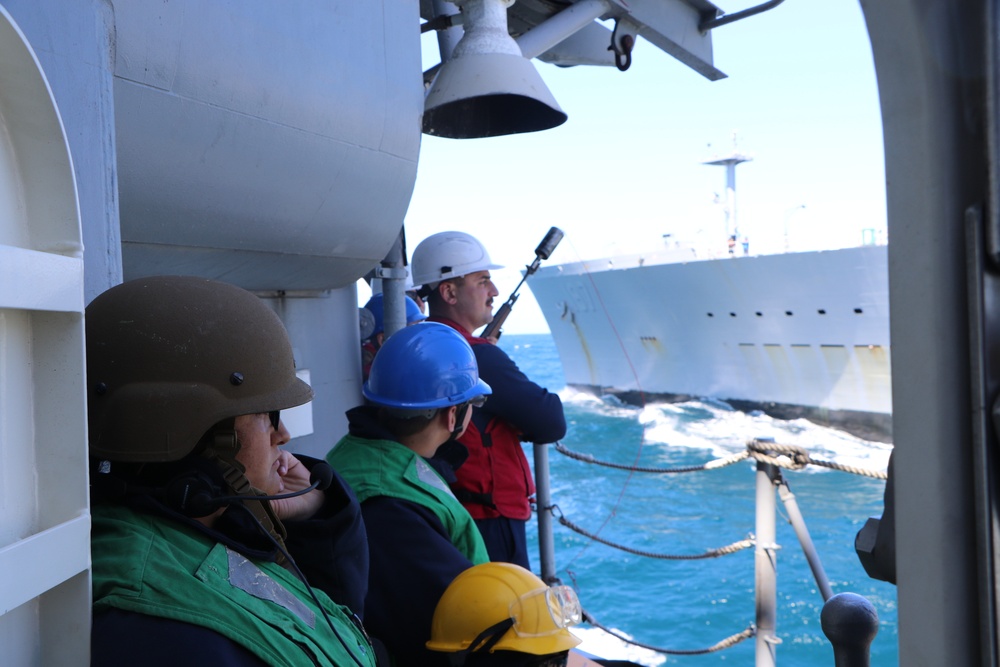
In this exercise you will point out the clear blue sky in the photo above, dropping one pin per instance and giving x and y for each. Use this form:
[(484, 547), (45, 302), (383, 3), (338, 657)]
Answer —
[(625, 167)]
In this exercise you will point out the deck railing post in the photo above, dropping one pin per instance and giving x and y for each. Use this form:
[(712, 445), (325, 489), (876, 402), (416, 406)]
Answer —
[(850, 622), (543, 497), (766, 566)]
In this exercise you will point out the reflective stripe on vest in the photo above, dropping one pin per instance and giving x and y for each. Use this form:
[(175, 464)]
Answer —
[(159, 567), (388, 468)]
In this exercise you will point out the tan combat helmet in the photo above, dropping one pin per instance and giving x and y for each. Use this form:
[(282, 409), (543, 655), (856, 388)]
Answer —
[(168, 357)]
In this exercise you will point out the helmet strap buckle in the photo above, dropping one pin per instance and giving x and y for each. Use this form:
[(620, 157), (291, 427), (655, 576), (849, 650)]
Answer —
[(460, 420), (486, 640), (222, 450)]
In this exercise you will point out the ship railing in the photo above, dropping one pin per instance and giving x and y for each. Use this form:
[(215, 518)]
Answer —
[(851, 649)]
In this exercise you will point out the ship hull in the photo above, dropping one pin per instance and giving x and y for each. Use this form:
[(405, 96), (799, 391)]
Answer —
[(795, 335)]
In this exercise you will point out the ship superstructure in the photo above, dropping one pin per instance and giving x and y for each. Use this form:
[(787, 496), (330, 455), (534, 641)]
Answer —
[(794, 334), (797, 334)]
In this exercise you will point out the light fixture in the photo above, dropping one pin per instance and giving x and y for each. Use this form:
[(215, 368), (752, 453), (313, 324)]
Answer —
[(487, 88)]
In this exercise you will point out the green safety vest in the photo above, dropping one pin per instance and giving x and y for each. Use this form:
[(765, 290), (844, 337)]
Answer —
[(152, 565), (387, 468)]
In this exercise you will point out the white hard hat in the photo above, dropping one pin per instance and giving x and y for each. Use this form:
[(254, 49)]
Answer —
[(449, 255)]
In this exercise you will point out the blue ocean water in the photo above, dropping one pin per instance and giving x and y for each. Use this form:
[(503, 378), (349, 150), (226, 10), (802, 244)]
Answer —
[(693, 604)]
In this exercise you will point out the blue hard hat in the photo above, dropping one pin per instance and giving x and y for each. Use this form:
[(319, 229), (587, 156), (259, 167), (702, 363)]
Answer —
[(374, 306), (428, 365)]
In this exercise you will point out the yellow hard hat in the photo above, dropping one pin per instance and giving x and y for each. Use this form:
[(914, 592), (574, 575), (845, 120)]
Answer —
[(504, 607)]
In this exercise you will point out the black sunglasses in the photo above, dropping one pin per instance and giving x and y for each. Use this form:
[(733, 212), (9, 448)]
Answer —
[(275, 416)]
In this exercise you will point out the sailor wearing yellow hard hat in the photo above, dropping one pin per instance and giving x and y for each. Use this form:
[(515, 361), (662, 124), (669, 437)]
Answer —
[(502, 615)]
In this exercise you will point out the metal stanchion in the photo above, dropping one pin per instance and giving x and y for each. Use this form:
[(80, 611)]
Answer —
[(766, 567), (543, 496)]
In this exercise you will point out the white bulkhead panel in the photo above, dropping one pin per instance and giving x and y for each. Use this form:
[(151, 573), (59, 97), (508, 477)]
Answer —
[(44, 512)]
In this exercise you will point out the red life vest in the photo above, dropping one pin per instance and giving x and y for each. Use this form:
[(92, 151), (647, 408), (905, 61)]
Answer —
[(368, 351), (495, 480)]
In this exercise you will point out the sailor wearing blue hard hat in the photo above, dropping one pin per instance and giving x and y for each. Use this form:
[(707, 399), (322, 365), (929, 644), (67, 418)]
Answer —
[(494, 483), (421, 390), (371, 342)]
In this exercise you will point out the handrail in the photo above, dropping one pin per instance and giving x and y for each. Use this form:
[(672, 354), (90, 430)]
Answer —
[(770, 458), (791, 457)]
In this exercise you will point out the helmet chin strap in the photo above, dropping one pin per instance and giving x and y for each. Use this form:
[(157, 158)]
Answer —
[(426, 290), (486, 640), (222, 449), (460, 420)]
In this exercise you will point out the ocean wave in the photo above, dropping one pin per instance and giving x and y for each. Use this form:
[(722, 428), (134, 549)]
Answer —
[(605, 406), (727, 431), (717, 427), (599, 643)]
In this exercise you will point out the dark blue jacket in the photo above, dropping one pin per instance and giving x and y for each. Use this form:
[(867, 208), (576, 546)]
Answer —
[(412, 562), (330, 548), (533, 411)]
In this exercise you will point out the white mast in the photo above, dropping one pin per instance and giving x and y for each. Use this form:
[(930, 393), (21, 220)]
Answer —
[(730, 162)]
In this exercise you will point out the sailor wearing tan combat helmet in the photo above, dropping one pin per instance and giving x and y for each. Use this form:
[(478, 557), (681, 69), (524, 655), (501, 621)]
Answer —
[(192, 563)]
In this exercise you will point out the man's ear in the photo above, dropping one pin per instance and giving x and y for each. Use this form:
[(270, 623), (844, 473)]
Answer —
[(448, 291)]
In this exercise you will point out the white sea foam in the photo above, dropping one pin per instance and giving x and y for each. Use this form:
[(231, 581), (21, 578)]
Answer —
[(718, 428), (725, 431), (607, 406), (603, 645)]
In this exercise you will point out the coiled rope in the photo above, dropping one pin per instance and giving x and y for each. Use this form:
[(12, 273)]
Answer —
[(729, 641), (791, 457), (711, 553), (800, 458), (711, 465)]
